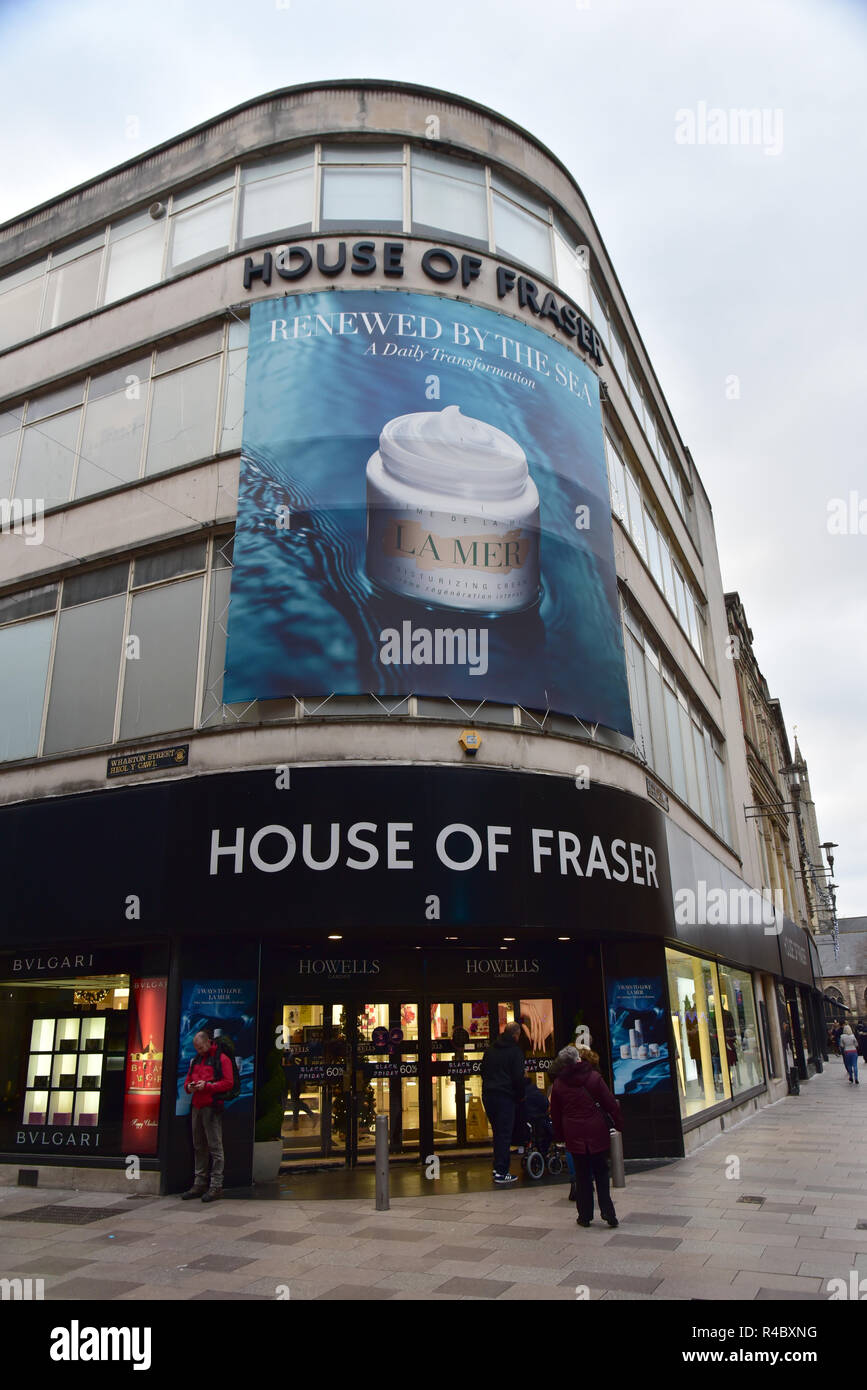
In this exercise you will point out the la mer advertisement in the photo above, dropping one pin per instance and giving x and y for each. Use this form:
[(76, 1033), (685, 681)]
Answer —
[(423, 508), (639, 1035)]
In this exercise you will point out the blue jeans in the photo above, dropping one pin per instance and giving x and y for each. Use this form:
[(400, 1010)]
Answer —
[(500, 1110), (850, 1061)]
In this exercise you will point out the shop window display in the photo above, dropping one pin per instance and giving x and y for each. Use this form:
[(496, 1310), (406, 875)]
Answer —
[(62, 1065), (740, 1029), (697, 1022)]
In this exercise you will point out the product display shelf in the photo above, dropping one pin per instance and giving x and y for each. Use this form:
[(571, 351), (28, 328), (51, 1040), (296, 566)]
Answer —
[(65, 1071)]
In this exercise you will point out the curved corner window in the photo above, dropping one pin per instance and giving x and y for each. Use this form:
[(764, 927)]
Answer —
[(449, 195), (362, 187), (571, 273), (521, 227), (277, 196)]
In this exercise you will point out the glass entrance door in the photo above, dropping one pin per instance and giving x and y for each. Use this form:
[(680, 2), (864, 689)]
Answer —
[(343, 1064), (460, 1032)]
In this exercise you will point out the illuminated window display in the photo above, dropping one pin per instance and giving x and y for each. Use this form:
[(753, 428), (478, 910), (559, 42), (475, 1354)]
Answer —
[(713, 1016), (63, 1087)]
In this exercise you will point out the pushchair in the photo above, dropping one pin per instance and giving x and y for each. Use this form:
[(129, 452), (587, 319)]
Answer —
[(540, 1152)]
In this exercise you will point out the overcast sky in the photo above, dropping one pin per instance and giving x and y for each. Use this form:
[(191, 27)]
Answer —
[(738, 261)]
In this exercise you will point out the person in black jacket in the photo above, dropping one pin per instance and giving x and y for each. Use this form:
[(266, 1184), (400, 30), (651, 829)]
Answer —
[(502, 1090)]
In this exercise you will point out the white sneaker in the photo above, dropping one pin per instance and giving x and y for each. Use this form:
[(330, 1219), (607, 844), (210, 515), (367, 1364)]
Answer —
[(504, 1179)]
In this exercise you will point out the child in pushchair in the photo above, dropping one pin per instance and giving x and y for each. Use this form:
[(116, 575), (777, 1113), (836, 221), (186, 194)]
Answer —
[(538, 1132)]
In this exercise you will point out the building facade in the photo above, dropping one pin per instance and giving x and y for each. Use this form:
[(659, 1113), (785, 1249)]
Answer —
[(417, 718)]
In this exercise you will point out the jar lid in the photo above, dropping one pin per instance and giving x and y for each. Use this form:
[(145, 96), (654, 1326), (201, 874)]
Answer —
[(445, 451)]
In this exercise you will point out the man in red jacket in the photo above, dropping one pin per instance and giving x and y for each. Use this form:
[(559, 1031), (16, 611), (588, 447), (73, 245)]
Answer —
[(209, 1077)]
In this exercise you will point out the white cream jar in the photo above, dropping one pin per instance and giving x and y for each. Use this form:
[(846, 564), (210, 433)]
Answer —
[(453, 514)]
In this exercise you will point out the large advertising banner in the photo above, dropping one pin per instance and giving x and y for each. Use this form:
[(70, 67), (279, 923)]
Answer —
[(225, 1007), (424, 509), (639, 1035)]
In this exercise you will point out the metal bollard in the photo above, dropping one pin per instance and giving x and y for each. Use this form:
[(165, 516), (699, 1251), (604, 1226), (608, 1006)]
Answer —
[(618, 1171), (382, 1203)]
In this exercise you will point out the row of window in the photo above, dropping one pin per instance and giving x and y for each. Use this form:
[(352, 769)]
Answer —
[(653, 545), (173, 406), (321, 189), (672, 733), (121, 652), (604, 324)]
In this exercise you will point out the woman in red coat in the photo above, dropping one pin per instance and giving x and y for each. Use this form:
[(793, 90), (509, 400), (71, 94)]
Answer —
[(580, 1105)]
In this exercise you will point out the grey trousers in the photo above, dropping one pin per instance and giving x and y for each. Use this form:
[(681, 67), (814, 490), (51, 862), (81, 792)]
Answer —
[(208, 1139)]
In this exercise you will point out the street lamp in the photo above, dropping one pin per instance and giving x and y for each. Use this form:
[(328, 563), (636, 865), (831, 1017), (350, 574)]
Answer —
[(827, 847)]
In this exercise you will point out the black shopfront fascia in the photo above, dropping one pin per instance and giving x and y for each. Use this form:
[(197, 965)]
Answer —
[(221, 867)]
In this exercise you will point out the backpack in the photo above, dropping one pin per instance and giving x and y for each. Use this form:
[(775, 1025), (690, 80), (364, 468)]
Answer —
[(226, 1047)]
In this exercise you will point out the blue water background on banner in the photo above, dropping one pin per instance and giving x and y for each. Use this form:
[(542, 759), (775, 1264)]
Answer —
[(642, 1000), (305, 618)]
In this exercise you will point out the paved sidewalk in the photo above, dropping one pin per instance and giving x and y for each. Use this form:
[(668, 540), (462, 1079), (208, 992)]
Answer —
[(686, 1230)]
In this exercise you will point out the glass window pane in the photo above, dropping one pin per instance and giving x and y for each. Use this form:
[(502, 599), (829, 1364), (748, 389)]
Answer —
[(280, 204), (661, 760), (31, 601), (710, 757), (688, 756), (446, 204), (723, 799), (694, 1008), (167, 564), (273, 168), (234, 386), (8, 454), (72, 290), (650, 431), (182, 416), (665, 462), (134, 261), (519, 196), (84, 682), (362, 197), (616, 481), (636, 521), (449, 167), (224, 184), (638, 688), (202, 231), (160, 685), (47, 457), (19, 307), (24, 653), (54, 401), (133, 378), (653, 547), (680, 594), (677, 490), (189, 350), (79, 249), (667, 570), (84, 588), (362, 154), (740, 1029), (111, 441), (618, 356), (215, 646), (672, 724), (572, 275), (701, 769), (518, 233), (635, 397)]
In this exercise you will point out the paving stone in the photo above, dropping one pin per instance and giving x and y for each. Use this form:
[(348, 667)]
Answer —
[(513, 1232), (475, 1288), (471, 1253), (266, 1236), (84, 1288), (388, 1233), (43, 1266), (224, 1264), (634, 1283), (643, 1242), (354, 1293), (787, 1296)]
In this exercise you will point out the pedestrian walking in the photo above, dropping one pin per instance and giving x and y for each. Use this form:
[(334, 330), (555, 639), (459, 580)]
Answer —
[(583, 1110), (209, 1078), (849, 1048), (502, 1092)]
